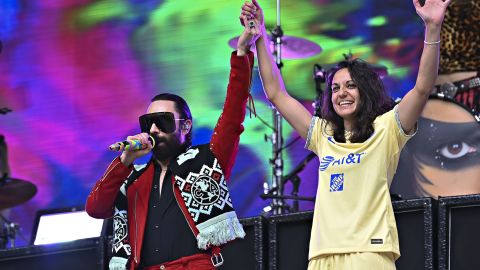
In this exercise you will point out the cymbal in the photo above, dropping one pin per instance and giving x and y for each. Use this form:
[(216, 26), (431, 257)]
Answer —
[(15, 191), (292, 47)]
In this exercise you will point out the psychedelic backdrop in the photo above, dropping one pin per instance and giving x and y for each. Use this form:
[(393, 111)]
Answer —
[(78, 73)]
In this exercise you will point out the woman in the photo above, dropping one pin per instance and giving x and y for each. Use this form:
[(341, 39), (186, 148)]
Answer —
[(358, 141)]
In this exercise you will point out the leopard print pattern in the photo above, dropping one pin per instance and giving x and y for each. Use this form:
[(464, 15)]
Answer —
[(460, 49)]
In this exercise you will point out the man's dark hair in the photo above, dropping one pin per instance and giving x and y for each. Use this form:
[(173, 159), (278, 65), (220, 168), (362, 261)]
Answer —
[(182, 108), (374, 101)]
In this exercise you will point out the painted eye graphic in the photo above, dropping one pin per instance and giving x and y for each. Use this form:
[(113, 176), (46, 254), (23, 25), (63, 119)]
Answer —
[(454, 150)]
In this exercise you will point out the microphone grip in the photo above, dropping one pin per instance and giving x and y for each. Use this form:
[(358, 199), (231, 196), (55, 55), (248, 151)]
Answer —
[(130, 145)]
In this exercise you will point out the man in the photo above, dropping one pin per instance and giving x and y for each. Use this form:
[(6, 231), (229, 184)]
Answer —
[(175, 212)]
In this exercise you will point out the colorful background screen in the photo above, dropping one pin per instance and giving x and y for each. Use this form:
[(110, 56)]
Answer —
[(78, 73)]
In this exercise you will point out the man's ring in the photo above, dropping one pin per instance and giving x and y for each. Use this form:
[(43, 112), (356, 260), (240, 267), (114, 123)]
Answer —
[(251, 24)]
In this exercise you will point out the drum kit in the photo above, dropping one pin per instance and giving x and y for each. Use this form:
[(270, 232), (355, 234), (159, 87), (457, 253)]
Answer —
[(13, 192)]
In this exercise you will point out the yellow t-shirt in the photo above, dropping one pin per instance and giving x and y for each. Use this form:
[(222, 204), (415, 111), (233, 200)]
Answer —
[(353, 210)]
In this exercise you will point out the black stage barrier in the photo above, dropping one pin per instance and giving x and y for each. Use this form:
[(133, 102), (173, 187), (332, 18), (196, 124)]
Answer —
[(459, 232), (289, 238), (85, 254), (250, 252), (415, 224)]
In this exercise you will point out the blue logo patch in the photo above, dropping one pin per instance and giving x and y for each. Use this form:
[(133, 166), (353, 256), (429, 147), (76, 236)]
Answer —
[(336, 182)]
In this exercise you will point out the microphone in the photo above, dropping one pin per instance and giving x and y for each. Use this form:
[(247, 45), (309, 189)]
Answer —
[(130, 145)]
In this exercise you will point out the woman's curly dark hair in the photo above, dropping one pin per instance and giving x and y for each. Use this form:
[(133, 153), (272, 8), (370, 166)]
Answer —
[(374, 101)]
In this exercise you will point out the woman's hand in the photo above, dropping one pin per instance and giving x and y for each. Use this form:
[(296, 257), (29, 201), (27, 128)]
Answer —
[(251, 17), (252, 11), (432, 12)]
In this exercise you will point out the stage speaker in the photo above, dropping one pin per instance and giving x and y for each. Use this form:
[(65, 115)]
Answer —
[(85, 254), (249, 252), (289, 237), (459, 232), (415, 225)]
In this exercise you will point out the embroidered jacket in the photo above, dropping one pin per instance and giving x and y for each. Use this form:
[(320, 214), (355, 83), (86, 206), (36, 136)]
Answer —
[(199, 181)]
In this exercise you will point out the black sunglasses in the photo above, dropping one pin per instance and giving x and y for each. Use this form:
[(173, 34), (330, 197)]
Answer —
[(165, 121)]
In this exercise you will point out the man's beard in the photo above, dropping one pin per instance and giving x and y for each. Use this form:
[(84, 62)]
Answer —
[(166, 147)]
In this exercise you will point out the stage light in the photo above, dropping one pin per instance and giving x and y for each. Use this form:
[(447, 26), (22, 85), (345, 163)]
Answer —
[(62, 225)]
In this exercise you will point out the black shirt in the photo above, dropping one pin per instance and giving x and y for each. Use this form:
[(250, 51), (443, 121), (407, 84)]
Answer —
[(167, 234)]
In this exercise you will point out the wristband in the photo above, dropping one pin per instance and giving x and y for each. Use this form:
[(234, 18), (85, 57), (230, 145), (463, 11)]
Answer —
[(431, 42)]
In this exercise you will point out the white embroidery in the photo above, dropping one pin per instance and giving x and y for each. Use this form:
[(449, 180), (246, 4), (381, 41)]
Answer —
[(199, 206), (120, 228), (190, 154)]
